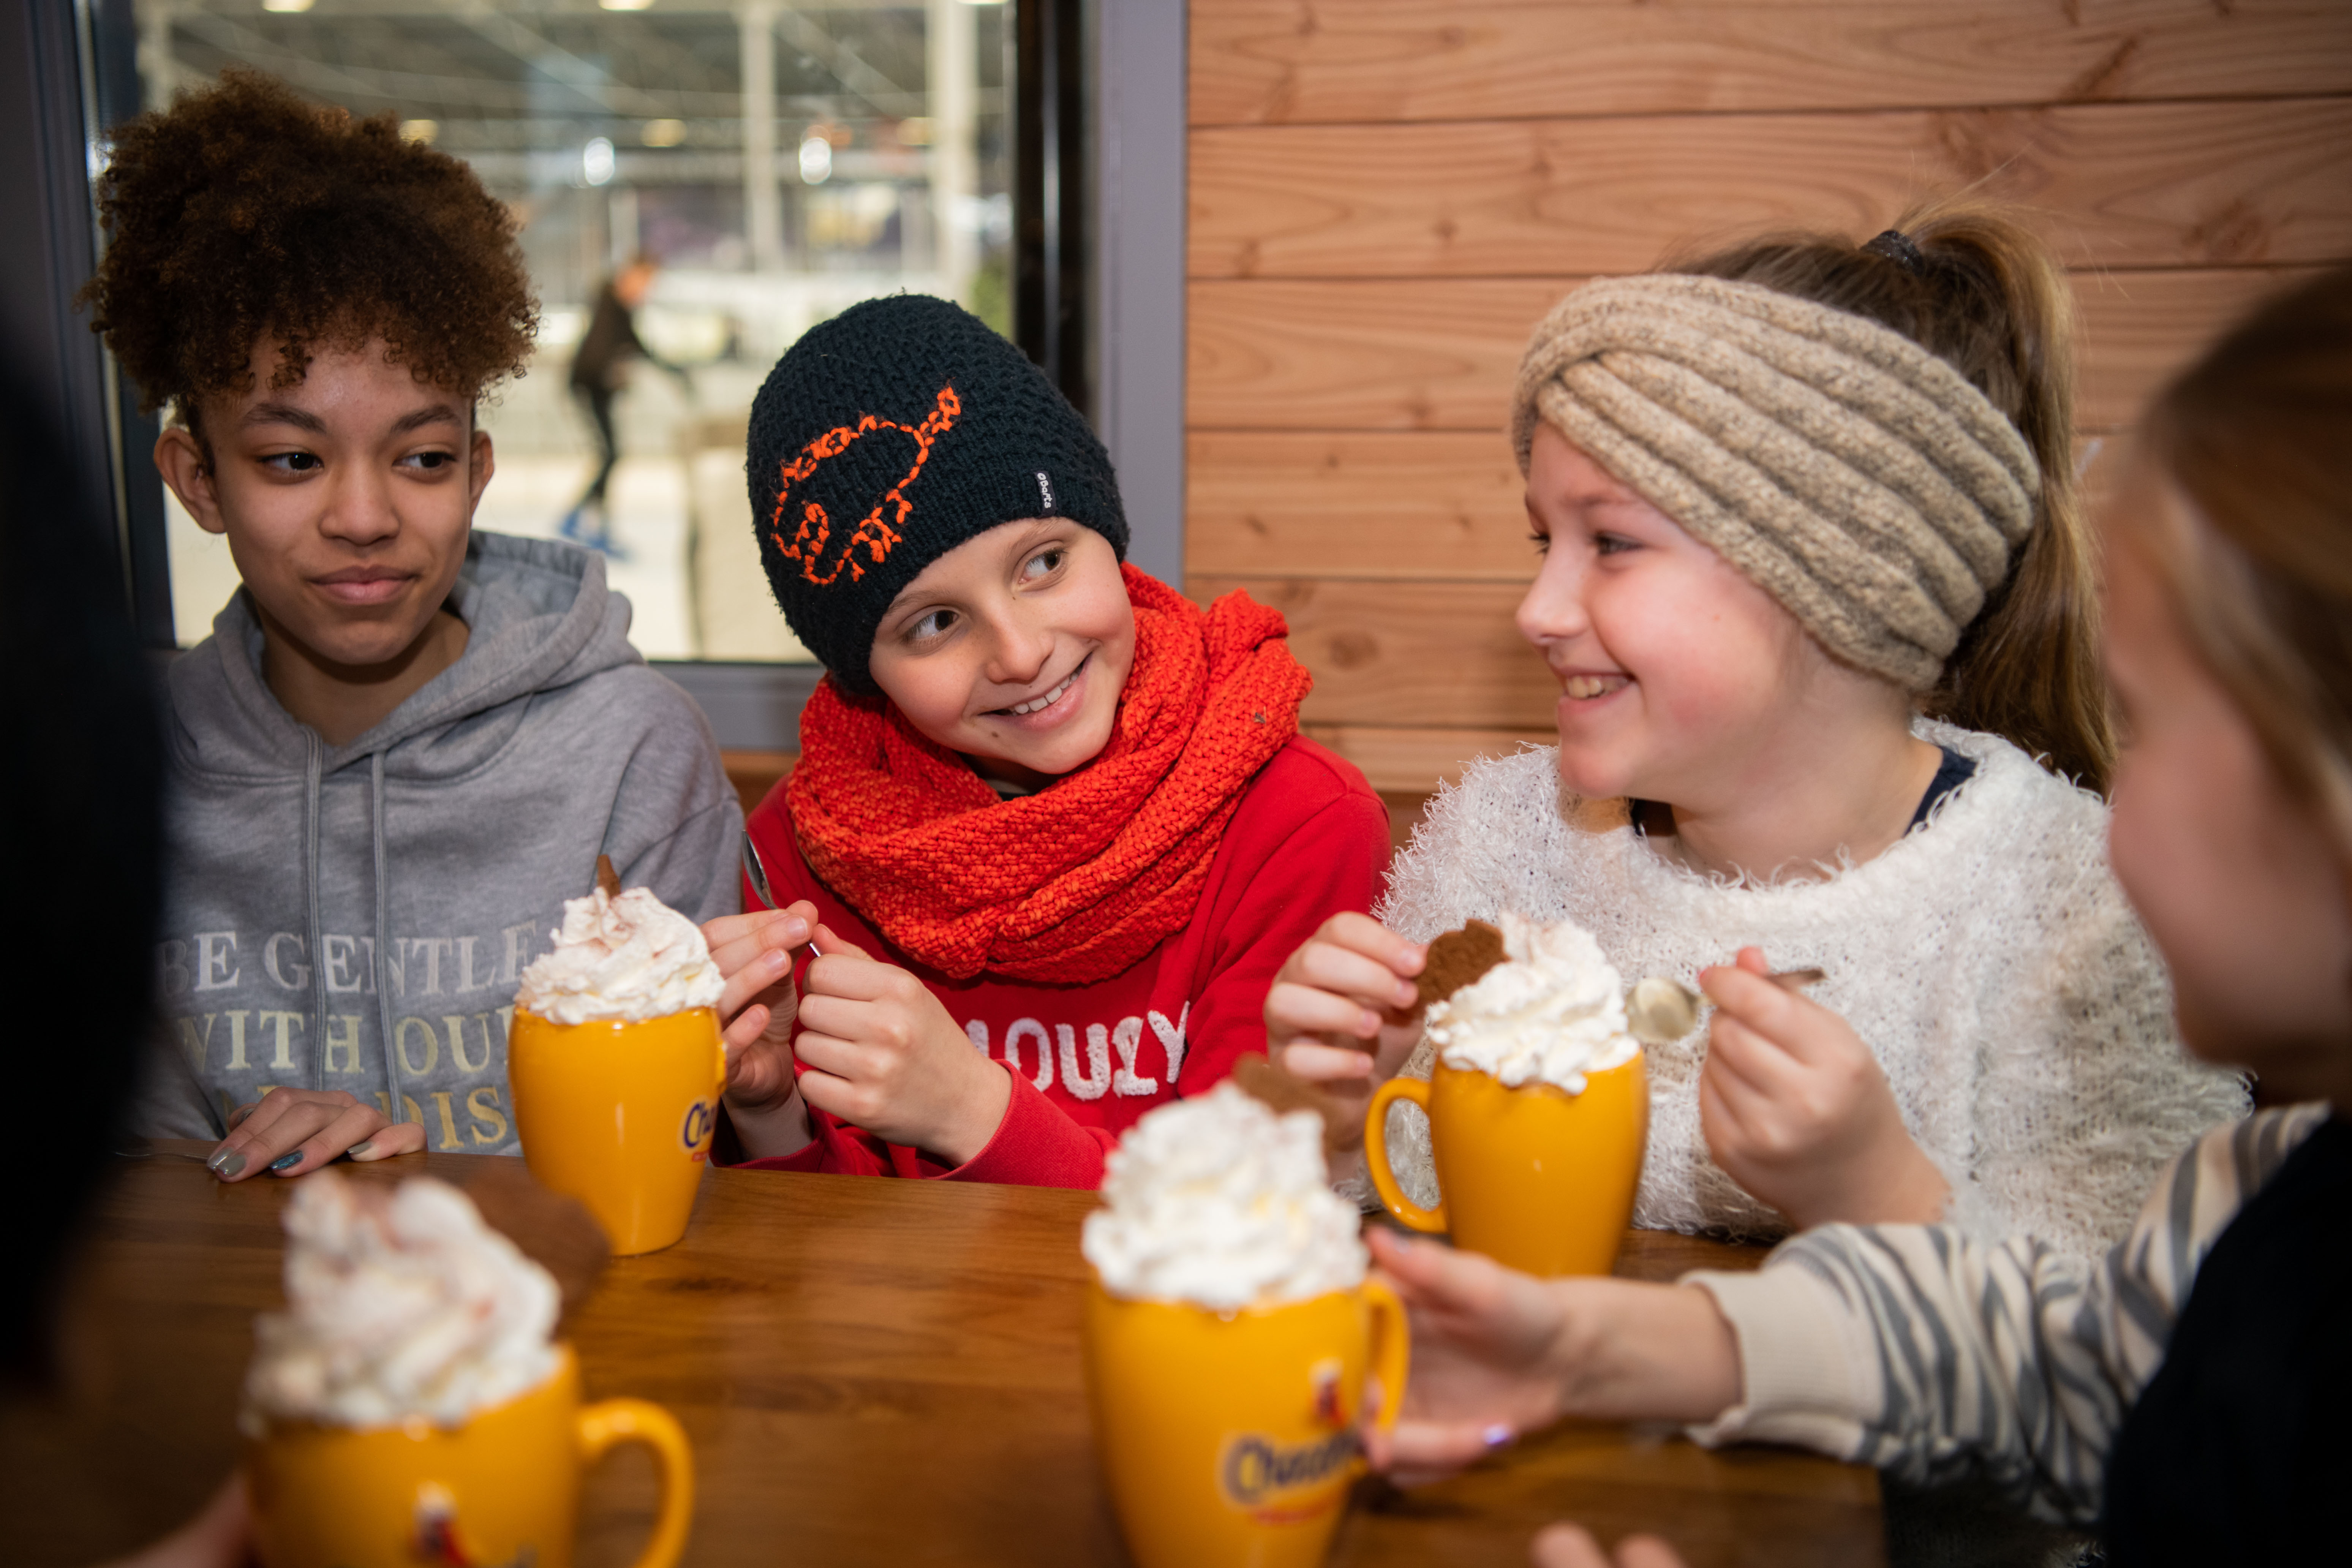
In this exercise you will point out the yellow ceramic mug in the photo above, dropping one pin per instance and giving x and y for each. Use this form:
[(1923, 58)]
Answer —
[(620, 1115), (1230, 1437), (1534, 1177), (503, 1488)]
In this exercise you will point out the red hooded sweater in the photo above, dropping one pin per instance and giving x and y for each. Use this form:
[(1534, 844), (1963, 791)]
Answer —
[(1308, 840)]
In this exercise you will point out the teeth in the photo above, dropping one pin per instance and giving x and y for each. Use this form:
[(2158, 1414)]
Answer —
[(1035, 703), (1591, 685)]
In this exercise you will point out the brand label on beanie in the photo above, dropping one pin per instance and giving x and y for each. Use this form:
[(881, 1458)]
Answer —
[(1045, 491), (811, 543)]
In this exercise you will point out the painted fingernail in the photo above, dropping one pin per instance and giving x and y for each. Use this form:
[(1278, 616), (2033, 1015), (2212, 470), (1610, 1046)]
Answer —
[(360, 1148), (226, 1163), (1497, 1436), (286, 1162)]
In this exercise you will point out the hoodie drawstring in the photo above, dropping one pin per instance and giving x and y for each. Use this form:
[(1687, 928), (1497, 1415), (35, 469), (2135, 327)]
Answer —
[(383, 919), (313, 771)]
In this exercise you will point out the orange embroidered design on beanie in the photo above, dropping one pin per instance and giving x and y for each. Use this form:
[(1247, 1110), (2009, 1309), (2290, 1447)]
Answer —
[(877, 534), (921, 402)]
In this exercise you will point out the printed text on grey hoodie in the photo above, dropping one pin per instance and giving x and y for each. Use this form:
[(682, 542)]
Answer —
[(326, 900)]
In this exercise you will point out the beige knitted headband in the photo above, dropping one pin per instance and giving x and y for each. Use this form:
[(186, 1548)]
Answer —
[(1855, 477)]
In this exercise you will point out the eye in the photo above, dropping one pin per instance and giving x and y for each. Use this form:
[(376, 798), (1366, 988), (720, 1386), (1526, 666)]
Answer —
[(1612, 544), (930, 625), (1045, 563), (432, 462), (293, 462), (1543, 540)]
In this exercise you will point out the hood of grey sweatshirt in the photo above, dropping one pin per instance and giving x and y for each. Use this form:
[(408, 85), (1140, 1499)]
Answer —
[(357, 917)]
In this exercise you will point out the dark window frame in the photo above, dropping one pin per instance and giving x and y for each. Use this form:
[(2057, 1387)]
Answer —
[(78, 62), (57, 83), (1051, 237)]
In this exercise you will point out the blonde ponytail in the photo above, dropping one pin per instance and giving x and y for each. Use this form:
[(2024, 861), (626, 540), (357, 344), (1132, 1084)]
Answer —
[(1972, 285)]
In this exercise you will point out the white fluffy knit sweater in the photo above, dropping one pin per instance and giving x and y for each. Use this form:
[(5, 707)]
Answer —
[(2022, 1017)]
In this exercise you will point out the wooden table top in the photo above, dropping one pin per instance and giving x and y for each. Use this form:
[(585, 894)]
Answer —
[(870, 1371)]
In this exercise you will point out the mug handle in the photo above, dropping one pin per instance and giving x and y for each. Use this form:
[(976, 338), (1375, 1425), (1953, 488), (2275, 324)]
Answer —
[(613, 1421), (1391, 1350), (1376, 1156)]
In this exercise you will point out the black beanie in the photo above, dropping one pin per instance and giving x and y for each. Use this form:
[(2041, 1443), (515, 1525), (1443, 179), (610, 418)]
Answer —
[(890, 435)]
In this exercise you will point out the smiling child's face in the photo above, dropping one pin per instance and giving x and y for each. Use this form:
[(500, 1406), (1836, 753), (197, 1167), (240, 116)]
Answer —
[(1013, 648), (1673, 665), (2229, 873), (346, 497)]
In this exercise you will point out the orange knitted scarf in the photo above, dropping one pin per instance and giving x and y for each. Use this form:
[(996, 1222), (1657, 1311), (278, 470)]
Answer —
[(1078, 882)]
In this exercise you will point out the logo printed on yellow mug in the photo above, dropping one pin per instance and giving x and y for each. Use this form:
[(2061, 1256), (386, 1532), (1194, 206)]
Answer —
[(700, 1121), (1325, 1376), (1264, 1478), (439, 1540)]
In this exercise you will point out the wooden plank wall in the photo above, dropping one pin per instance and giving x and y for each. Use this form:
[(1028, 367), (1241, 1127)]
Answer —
[(1386, 195)]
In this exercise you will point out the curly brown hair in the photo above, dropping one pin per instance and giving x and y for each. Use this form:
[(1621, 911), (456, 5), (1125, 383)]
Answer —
[(244, 211)]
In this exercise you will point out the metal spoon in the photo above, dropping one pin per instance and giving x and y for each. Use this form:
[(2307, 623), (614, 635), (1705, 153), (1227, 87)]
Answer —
[(1660, 1011), (758, 873)]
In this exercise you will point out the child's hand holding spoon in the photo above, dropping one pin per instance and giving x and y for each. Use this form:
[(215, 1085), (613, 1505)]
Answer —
[(1659, 1011), (1794, 1106)]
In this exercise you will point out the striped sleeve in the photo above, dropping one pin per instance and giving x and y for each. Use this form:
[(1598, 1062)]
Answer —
[(1931, 1356)]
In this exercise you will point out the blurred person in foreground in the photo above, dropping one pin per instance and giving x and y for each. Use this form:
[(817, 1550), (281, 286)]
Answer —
[(81, 809)]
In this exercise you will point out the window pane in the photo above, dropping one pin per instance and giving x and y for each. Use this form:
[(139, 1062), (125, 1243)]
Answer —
[(778, 162)]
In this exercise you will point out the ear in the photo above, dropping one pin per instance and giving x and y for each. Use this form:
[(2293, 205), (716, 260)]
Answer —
[(182, 463), (481, 464)]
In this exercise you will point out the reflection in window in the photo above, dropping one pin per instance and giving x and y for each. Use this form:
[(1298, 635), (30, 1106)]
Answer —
[(777, 163)]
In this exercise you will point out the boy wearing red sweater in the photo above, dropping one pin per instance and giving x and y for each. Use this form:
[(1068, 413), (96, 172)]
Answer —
[(1054, 828)]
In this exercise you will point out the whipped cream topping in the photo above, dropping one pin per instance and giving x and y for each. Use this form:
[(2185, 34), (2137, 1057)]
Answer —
[(626, 957), (1552, 1012), (1220, 1200), (399, 1306)]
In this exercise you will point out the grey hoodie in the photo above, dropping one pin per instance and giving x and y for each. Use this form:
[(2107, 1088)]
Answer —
[(324, 900)]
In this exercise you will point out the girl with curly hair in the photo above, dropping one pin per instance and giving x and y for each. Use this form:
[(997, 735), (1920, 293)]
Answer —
[(405, 743)]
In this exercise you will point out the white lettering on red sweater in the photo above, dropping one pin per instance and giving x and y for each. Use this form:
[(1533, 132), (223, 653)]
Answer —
[(1097, 1077)]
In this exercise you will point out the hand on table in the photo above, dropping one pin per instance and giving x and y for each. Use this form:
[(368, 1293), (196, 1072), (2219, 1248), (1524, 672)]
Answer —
[(1343, 1011), (754, 954), (882, 1053), (294, 1130), (1496, 1353), (1797, 1111), (1572, 1546), (1483, 1339)]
